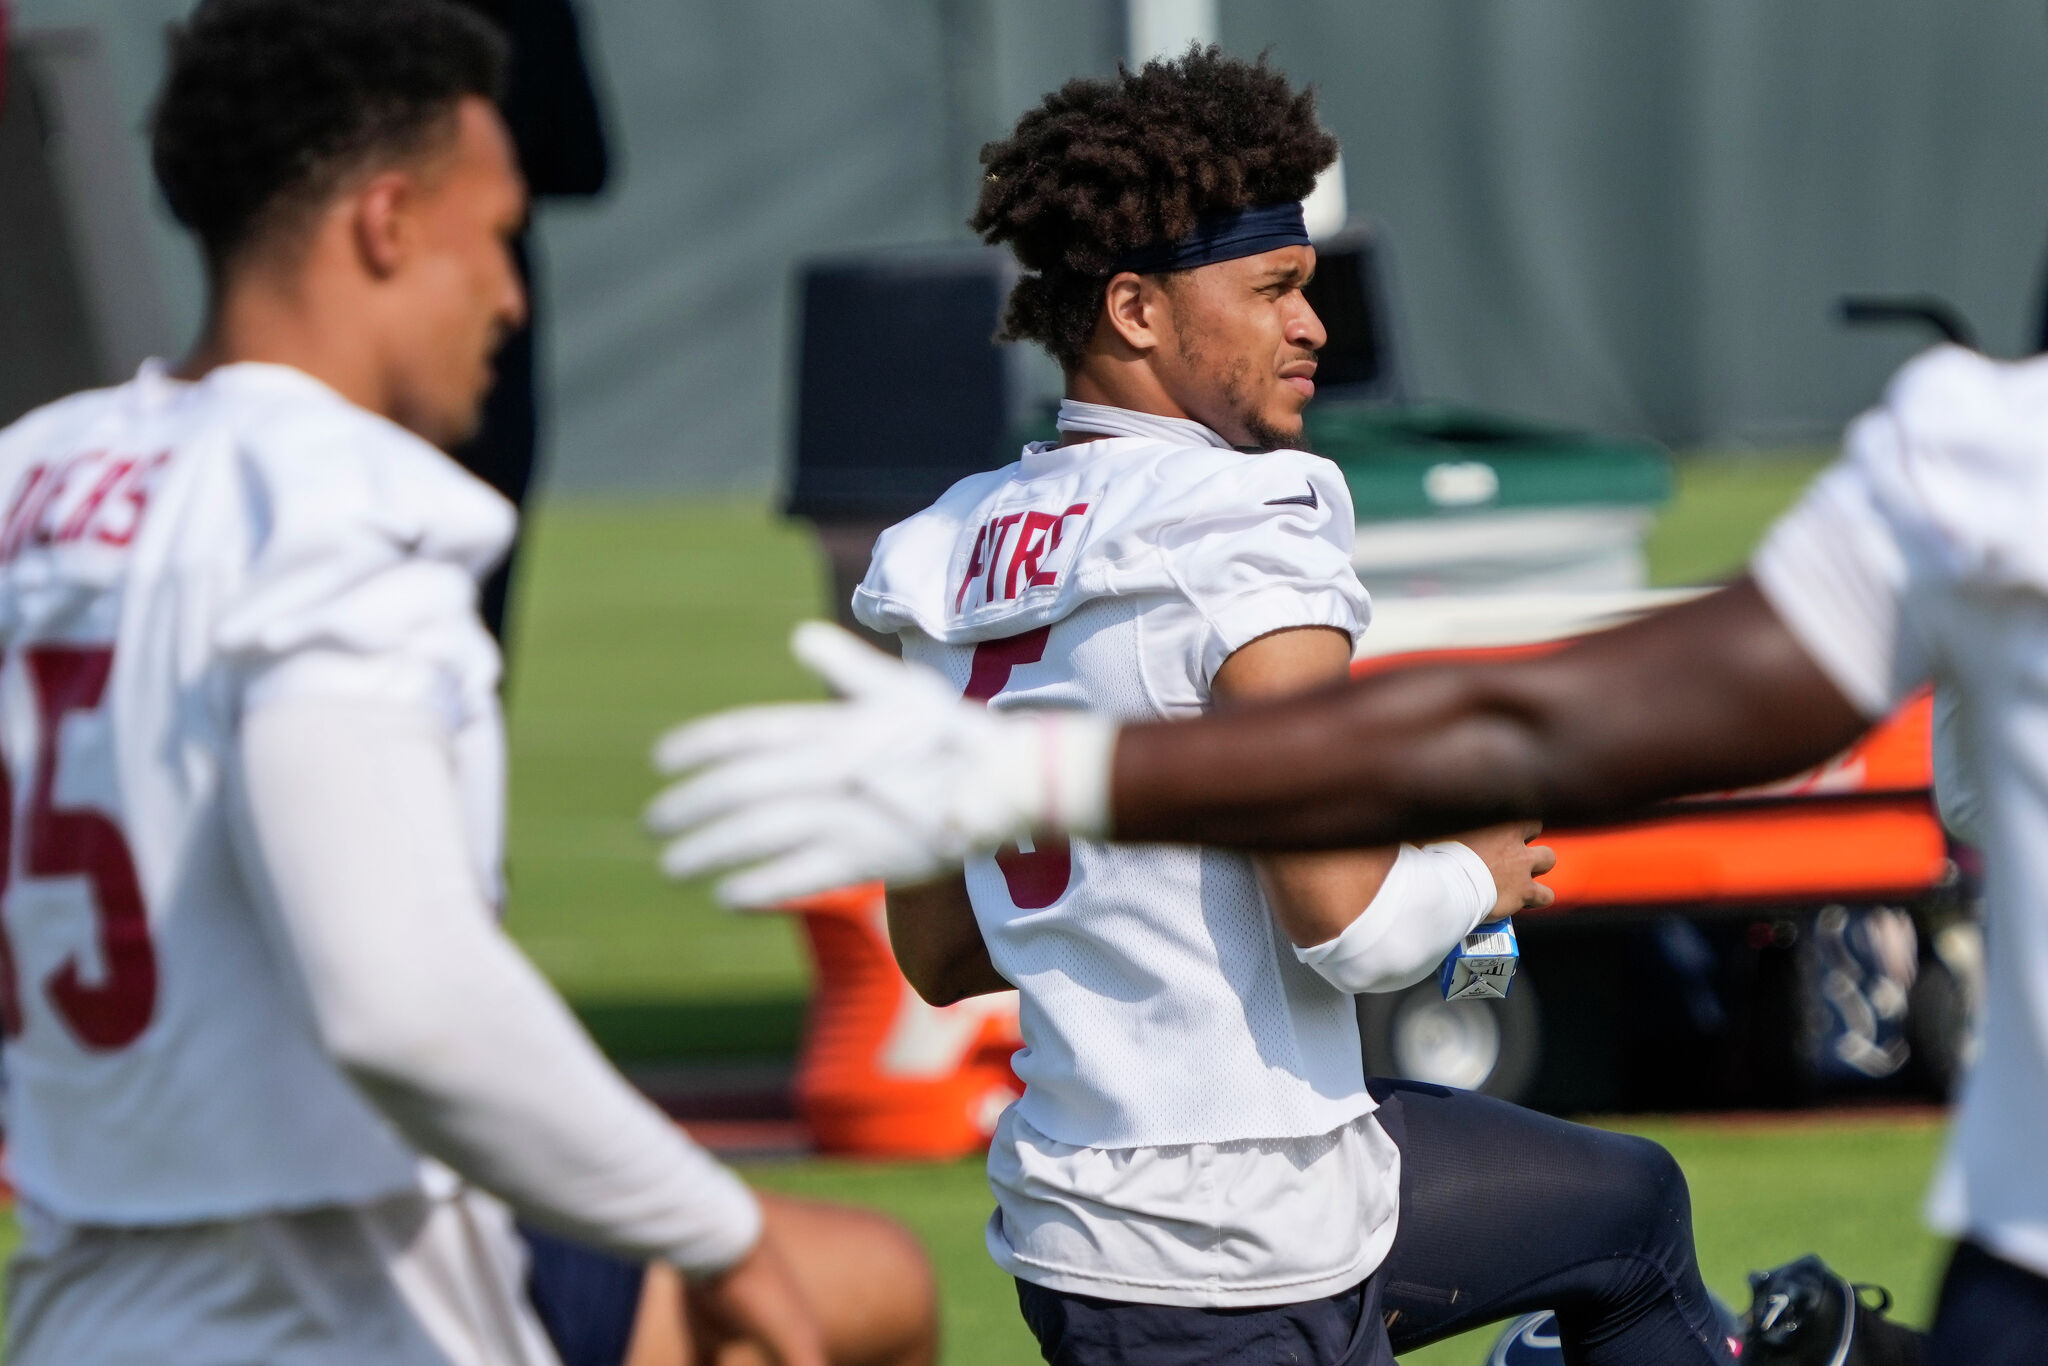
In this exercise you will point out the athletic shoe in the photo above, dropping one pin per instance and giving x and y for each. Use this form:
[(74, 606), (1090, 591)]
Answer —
[(1803, 1314)]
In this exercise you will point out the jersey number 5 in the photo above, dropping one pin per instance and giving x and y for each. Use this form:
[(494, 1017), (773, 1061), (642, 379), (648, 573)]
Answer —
[(1036, 877), (78, 842)]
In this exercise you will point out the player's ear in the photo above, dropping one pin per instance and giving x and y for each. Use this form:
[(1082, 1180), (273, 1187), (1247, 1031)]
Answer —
[(381, 219), (1132, 310)]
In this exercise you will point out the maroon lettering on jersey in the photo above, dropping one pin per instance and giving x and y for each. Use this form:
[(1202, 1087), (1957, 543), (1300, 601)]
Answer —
[(96, 496), (88, 506), (50, 494), (20, 510), (1031, 545), (975, 564), (1038, 536), (998, 532), (124, 519)]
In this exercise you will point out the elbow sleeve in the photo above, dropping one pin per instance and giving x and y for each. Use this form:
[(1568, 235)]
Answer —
[(1432, 898)]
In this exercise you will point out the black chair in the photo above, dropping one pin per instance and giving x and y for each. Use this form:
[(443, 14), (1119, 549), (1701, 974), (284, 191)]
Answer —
[(901, 386), (902, 390)]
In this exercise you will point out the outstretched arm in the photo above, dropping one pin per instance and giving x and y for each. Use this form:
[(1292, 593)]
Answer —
[(902, 781), (1711, 694), (1771, 675)]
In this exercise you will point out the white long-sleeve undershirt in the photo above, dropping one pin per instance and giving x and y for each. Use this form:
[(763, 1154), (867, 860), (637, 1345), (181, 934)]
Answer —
[(349, 822)]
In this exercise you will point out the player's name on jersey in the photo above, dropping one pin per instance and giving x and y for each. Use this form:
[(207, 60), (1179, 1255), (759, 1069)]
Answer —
[(1037, 537), (97, 496)]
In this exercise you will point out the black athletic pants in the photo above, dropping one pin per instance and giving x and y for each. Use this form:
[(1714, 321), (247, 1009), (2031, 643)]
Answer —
[(1504, 1211), (1991, 1313)]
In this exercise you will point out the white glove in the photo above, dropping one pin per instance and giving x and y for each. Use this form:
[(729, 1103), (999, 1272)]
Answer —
[(900, 782)]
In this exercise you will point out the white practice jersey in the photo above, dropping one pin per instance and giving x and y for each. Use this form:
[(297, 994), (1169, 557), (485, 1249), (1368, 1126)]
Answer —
[(171, 553), (1159, 1002), (1922, 556)]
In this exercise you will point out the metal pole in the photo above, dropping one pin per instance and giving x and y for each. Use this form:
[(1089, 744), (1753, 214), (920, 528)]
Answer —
[(1164, 28)]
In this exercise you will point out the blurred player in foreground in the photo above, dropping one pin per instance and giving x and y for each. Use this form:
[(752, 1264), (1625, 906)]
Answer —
[(1920, 557), (276, 1081), (1197, 1171)]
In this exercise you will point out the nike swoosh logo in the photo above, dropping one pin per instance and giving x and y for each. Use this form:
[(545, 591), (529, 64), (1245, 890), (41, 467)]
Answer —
[(1306, 500)]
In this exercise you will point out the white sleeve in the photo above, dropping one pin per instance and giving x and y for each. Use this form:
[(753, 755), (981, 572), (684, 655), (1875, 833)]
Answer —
[(349, 826), (1835, 572), (1265, 546), (1433, 897)]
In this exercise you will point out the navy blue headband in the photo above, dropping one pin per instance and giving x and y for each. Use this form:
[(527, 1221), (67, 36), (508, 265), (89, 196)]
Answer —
[(1224, 237)]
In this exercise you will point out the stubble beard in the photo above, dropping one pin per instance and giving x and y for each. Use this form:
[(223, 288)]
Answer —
[(1236, 390), (1238, 386)]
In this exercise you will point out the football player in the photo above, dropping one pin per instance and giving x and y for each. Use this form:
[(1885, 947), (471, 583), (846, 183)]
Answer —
[(1198, 1171), (1919, 557), (276, 1082)]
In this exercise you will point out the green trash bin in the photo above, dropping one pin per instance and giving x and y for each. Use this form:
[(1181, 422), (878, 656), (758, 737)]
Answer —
[(1453, 500)]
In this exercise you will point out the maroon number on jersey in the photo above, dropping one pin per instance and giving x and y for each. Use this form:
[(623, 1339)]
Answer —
[(79, 842), (1039, 878)]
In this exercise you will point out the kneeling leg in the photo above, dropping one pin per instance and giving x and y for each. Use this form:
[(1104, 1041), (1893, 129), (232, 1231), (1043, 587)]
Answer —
[(1505, 1211)]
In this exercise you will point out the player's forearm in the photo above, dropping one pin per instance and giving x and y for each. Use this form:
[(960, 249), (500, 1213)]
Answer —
[(349, 822), (1338, 768), (1712, 694)]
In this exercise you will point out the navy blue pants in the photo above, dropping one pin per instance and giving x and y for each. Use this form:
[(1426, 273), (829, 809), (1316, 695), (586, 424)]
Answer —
[(1991, 1313), (1503, 1212), (586, 1299), (1080, 1330)]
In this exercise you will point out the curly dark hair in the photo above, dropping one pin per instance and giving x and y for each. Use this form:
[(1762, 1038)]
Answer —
[(271, 104), (1103, 166)]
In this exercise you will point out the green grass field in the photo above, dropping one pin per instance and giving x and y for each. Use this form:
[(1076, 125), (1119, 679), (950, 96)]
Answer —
[(635, 616)]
